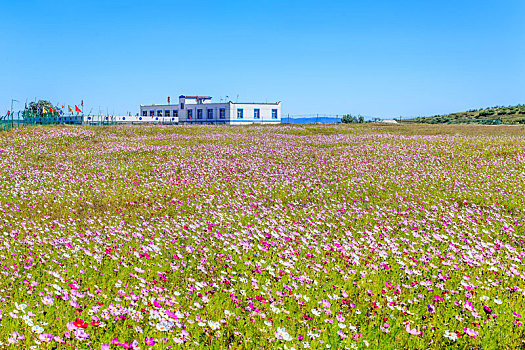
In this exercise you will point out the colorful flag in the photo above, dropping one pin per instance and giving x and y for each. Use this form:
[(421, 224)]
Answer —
[(8, 112), (51, 110), (77, 109), (44, 110), (70, 109)]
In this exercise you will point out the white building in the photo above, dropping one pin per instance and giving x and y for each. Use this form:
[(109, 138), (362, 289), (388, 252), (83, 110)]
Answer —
[(200, 110)]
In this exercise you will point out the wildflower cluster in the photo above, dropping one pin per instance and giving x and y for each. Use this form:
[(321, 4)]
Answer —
[(261, 237)]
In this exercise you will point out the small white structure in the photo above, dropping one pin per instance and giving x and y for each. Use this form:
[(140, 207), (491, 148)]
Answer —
[(388, 121), (200, 110)]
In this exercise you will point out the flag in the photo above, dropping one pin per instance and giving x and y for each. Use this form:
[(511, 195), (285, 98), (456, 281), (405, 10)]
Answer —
[(62, 106), (70, 109), (8, 112), (51, 110), (44, 110), (77, 109), (82, 103)]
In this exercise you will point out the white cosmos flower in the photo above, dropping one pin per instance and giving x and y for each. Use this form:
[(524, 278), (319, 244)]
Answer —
[(451, 335), (214, 325), (37, 329), (498, 301), (20, 307), (315, 312), (342, 325), (282, 334), (164, 326)]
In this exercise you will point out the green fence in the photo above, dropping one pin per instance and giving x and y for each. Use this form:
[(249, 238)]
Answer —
[(25, 118)]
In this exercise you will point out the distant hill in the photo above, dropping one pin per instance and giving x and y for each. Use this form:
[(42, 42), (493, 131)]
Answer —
[(490, 116)]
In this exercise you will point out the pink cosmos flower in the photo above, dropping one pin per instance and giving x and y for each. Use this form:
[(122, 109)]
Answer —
[(81, 335), (47, 300), (412, 331), (470, 332), (468, 305), (45, 337), (58, 339)]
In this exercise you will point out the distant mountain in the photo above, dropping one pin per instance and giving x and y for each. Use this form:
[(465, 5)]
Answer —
[(311, 120), (491, 116)]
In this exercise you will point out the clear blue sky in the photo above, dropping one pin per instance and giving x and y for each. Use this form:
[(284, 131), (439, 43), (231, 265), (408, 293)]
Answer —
[(376, 58)]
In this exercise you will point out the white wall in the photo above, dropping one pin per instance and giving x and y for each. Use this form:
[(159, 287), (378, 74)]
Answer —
[(265, 113), (230, 113)]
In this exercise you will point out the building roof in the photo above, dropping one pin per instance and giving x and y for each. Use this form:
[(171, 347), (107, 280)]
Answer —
[(196, 97)]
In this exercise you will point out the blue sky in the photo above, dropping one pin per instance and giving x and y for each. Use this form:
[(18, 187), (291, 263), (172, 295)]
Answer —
[(375, 58)]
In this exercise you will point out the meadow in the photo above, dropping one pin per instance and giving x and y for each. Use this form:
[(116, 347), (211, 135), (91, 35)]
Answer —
[(282, 237)]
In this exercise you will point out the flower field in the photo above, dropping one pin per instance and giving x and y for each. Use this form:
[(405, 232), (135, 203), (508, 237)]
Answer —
[(287, 237)]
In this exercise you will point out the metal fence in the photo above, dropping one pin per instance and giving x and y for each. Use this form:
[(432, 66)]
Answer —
[(21, 119)]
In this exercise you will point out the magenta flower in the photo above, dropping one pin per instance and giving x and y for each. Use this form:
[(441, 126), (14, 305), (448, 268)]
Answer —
[(45, 337), (412, 331), (470, 332)]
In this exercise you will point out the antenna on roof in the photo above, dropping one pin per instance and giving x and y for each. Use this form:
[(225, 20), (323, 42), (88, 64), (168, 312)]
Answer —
[(237, 100)]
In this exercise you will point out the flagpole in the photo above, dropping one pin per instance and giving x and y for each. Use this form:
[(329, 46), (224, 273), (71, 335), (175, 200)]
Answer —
[(12, 120)]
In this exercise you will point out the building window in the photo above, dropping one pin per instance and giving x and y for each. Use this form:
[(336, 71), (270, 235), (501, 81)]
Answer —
[(144, 113), (151, 113), (274, 114), (167, 112), (240, 113), (175, 113), (190, 113), (210, 113), (182, 106), (256, 113), (159, 113), (199, 113), (222, 113)]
